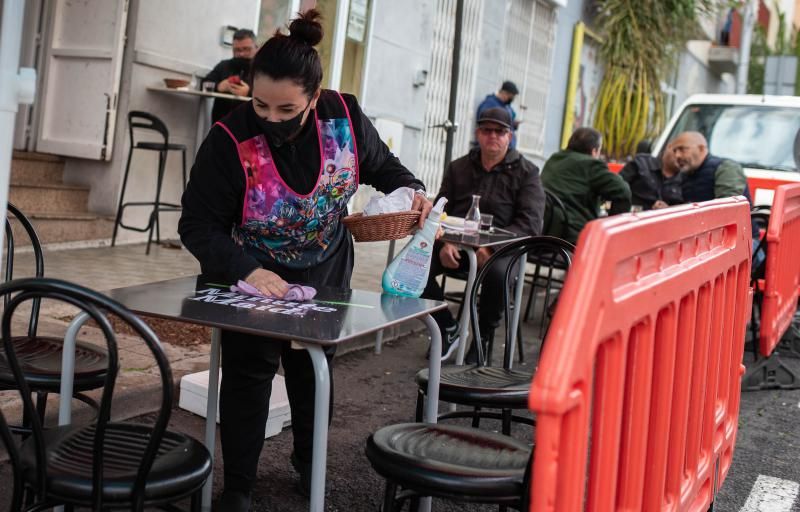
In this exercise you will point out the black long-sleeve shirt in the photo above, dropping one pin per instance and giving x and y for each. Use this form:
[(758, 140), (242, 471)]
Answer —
[(511, 191), (214, 197), (225, 69)]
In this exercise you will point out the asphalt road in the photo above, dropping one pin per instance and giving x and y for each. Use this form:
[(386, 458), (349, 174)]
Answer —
[(372, 391)]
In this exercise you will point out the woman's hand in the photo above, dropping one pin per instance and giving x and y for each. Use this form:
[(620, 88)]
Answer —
[(268, 283), (422, 204)]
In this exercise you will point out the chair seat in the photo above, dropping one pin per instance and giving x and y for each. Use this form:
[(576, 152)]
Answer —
[(450, 461), (159, 146), (181, 467), (40, 358), (481, 386)]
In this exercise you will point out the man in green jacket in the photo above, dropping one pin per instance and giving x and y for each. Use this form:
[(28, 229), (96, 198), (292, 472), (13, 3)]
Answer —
[(581, 181)]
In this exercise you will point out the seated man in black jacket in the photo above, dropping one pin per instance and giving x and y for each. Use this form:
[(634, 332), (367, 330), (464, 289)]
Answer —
[(655, 182), (232, 76), (510, 190)]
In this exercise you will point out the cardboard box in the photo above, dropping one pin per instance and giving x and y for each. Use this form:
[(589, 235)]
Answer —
[(194, 396)]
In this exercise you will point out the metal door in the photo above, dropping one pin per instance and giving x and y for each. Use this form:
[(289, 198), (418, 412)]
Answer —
[(527, 61), (83, 63), (432, 145)]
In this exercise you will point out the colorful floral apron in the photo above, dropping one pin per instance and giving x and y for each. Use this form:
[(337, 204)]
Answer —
[(294, 229)]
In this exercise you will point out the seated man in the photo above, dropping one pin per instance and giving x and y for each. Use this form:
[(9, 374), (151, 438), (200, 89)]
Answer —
[(510, 190), (581, 180), (706, 177), (232, 76), (655, 182)]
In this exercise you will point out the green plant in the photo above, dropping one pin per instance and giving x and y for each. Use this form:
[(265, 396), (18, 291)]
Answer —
[(641, 40), (787, 42)]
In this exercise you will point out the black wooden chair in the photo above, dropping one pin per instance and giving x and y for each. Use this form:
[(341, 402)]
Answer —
[(554, 222), (480, 386), (105, 464), (548, 270), (145, 121), (40, 356), (451, 462), (13, 456)]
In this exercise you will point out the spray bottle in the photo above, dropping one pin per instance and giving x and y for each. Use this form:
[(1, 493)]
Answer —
[(407, 274)]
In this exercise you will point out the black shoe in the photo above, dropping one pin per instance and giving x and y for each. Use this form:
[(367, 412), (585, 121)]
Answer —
[(450, 339), (304, 470), (233, 501), (472, 353)]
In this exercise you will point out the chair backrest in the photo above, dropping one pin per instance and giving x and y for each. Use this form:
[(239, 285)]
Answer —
[(546, 248), (97, 306), (555, 216), (146, 121), (782, 270), (637, 393), (760, 221), (38, 258)]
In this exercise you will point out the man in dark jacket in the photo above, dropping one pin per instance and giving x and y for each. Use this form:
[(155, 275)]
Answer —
[(655, 182), (510, 190), (503, 99), (581, 180), (706, 177), (232, 76)]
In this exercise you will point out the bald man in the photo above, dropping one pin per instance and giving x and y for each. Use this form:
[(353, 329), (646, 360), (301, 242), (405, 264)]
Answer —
[(705, 176)]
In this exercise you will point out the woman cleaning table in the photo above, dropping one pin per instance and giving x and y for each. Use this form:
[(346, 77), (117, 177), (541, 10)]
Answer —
[(264, 205)]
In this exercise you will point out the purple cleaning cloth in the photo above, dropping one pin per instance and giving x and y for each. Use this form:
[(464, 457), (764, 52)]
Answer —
[(296, 292)]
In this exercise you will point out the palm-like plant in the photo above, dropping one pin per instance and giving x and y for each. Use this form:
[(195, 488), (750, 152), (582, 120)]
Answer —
[(641, 39)]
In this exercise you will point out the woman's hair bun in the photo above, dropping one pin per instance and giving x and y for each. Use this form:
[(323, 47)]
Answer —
[(307, 28)]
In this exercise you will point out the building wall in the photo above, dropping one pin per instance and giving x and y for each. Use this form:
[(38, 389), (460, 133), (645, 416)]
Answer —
[(158, 47), (694, 76), (490, 57), (400, 40), (568, 16)]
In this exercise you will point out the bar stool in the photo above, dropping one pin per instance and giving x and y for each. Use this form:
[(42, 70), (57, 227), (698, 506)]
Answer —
[(149, 122)]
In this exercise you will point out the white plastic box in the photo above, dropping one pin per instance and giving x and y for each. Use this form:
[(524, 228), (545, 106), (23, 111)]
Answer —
[(194, 396)]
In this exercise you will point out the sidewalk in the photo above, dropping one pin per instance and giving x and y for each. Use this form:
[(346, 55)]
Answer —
[(105, 268)]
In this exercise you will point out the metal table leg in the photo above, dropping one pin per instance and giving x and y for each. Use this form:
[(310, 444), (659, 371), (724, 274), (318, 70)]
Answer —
[(464, 320), (517, 309), (319, 457), (68, 369), (431, 414), (211, 412), (379, 336)]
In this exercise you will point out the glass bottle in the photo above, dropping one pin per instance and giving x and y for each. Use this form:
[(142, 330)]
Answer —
[(472, 220)]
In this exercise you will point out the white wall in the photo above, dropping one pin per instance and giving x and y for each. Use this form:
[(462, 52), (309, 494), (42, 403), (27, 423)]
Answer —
[(694, 76), (165, 39), (401, 45)]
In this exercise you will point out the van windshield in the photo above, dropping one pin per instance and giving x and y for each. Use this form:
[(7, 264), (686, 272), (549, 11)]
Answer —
[(753, 135)]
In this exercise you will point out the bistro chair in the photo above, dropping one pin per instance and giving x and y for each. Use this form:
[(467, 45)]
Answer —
[(147, 122), (13, 456), (555, 225), (40, 356), (105, 464), (482, 386), (451, 462)]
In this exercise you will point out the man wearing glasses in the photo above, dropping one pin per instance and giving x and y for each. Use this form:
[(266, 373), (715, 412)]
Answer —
[(510, 190), (232, 76)]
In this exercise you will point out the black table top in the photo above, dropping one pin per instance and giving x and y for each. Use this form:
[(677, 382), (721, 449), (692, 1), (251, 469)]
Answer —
[(482, 239), (335, 315)]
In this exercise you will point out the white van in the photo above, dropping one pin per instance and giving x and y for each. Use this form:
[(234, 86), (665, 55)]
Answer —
[(760, 132)]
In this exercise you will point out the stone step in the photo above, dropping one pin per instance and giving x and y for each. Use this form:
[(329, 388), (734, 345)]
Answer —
[(36, 169), (49, 198), (54, 228)]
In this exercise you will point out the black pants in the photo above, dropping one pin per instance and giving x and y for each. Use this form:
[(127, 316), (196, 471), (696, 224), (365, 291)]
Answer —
[(492, 295), (249, 364)]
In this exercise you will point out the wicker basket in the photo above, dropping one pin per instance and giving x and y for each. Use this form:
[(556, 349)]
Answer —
[(377, 228)]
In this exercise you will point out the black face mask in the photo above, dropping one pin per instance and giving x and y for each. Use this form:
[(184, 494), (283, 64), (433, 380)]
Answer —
[(278, 132)]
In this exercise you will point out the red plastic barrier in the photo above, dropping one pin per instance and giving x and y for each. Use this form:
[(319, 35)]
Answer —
[(782, 273), (637, 392)]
